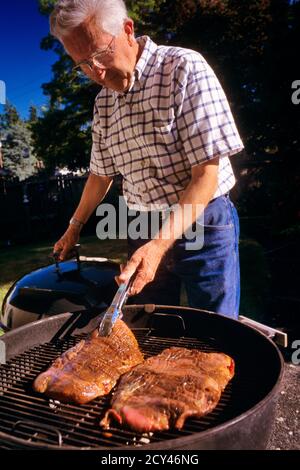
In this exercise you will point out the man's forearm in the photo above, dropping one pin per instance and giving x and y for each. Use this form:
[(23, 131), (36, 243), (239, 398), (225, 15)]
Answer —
[(94, 192)]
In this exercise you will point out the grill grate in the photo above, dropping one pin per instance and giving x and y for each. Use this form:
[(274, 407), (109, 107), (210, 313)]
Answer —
[(34, 418)]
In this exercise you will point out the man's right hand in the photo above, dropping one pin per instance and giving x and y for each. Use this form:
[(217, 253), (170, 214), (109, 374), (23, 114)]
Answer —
[(67, 242)]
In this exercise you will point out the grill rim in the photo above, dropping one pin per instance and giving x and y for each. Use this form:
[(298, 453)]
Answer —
[(184, 441)]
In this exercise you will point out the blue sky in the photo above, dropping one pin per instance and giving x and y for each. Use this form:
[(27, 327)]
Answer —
[(23, 65)]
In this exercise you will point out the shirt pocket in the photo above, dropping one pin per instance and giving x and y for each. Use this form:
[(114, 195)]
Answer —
[(163, 129), (163, 119)]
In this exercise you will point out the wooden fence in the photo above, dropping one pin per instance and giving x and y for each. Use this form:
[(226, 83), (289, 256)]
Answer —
[(37, 210), (41, 208)]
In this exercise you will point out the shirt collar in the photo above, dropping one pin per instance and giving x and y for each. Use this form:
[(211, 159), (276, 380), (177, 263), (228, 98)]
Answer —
[(149, 48)]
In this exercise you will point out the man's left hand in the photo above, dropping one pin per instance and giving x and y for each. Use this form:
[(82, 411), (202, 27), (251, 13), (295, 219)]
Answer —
[(145, 261)]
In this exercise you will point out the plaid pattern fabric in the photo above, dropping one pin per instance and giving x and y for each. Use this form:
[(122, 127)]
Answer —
[(174, 116)]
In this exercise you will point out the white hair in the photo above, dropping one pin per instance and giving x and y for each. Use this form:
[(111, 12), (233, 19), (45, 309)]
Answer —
[(69, 14)]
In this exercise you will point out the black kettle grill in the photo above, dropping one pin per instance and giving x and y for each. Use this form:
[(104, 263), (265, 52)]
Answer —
[(243, 418)]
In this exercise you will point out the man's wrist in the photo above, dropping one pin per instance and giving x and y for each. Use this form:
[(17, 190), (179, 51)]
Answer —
[(162, 245), (75, 223)]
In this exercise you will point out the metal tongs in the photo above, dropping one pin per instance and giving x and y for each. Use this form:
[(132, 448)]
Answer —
[(114, 312)]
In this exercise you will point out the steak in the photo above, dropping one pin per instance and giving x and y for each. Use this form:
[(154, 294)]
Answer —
[(162, 392), (92, 367)]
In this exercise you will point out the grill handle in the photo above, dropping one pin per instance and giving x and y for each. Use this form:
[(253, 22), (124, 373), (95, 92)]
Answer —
[(178, 325), (279, 337), (73, 252), (39, 428)]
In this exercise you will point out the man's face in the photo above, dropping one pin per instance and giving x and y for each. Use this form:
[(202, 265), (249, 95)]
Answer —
[(118, 65)]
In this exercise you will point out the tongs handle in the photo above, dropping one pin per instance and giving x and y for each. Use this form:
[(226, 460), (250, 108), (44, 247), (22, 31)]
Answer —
[(114, 311)]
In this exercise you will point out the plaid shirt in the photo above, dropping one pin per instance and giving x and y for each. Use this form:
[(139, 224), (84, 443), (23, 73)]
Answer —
[(174, 116)]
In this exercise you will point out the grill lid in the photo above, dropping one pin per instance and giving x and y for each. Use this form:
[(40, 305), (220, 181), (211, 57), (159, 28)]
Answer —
[(70, 286)]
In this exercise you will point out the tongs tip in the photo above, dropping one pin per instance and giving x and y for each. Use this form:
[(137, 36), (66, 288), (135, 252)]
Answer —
[(114, 312)]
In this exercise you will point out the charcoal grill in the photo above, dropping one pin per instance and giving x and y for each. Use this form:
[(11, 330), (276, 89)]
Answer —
[(242, 420)]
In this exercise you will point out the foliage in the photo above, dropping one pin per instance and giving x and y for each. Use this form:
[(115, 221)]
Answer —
[(33, 115), (17, 150), (62, 134)]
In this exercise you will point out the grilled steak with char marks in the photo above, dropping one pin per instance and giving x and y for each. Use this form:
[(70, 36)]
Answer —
[(165, 390), (92, 367)]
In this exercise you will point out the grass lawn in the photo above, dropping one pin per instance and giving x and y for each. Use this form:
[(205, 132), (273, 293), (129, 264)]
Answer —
[(15, 262)]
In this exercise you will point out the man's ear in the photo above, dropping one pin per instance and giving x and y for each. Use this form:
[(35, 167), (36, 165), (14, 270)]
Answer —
[(129, 28)]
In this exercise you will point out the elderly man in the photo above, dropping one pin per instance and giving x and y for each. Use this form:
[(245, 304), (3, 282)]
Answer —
[(162, 121)]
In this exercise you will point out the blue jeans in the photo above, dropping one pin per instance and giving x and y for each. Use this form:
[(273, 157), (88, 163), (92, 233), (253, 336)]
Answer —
[(211, 275)]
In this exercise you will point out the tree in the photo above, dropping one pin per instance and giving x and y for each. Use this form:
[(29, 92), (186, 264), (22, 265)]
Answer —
[(62, 134), (17, 150), (33, 115), (9, 117)]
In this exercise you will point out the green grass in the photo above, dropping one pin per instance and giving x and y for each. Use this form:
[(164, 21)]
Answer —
[(15, 262)]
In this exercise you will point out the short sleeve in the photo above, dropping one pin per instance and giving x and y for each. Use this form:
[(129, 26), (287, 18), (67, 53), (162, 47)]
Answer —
[(206, 126), (101, 163)]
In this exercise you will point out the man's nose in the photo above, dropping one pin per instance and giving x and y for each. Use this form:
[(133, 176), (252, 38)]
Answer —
[(97, 66), (99, 71)]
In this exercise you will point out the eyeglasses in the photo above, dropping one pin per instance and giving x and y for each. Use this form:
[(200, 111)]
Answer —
[(96, 59)]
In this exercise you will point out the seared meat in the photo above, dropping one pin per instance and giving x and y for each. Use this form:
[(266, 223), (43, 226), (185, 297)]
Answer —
[(92, 367), (166, 389)]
